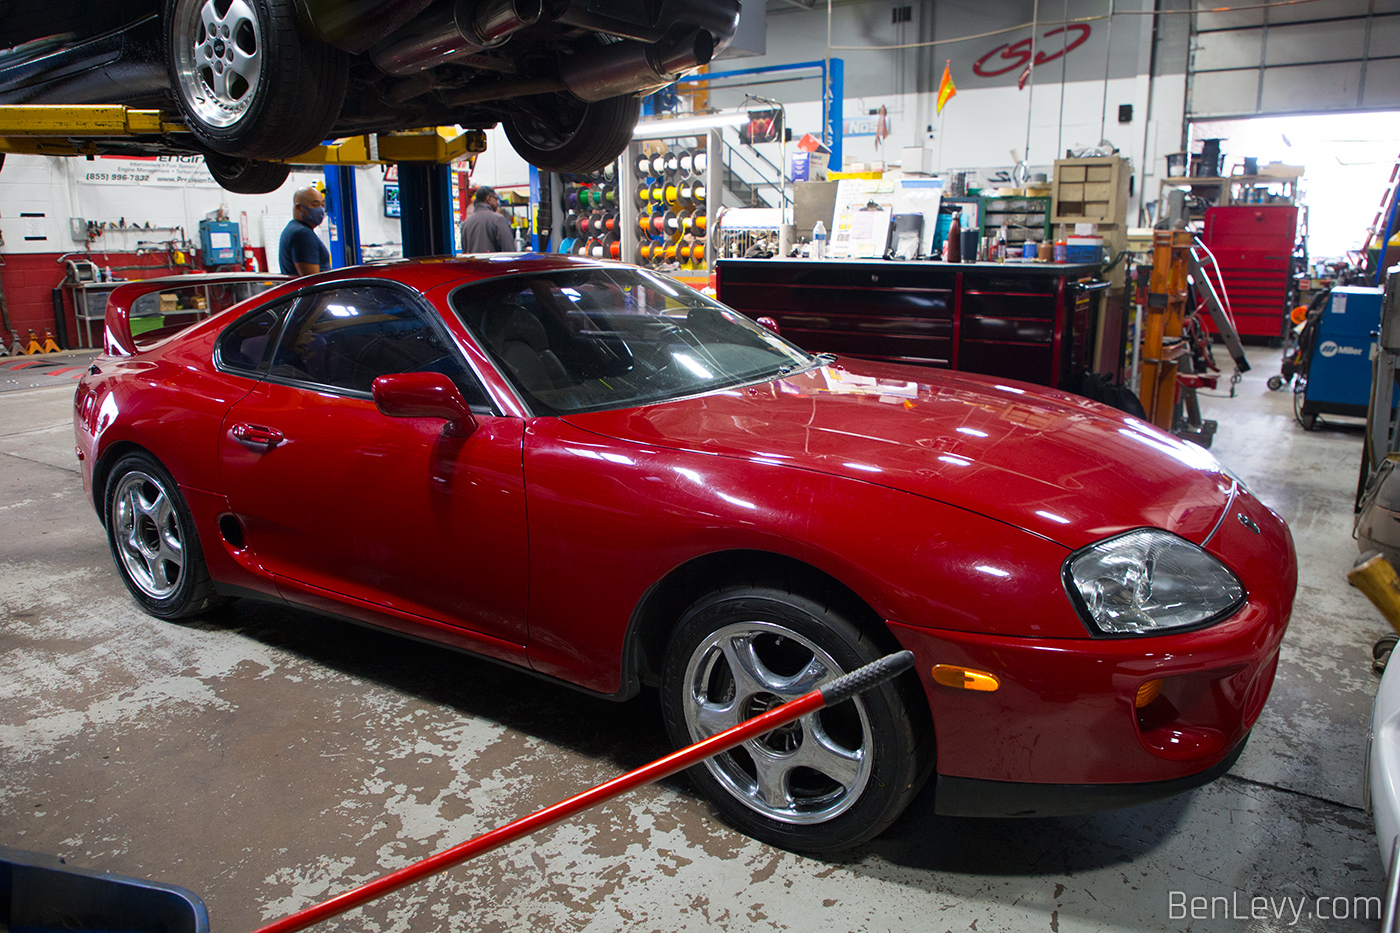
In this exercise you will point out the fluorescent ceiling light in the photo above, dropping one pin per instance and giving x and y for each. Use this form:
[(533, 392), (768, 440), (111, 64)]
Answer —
[(687, 126)]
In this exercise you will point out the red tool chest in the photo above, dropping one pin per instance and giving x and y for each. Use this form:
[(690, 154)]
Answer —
[(1254, 245)]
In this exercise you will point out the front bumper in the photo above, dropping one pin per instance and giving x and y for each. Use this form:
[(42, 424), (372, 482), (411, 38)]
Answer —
[(1066, 710), (955, 796)]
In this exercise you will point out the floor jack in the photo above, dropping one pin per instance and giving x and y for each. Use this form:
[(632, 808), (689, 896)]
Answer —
[(1176, 355)]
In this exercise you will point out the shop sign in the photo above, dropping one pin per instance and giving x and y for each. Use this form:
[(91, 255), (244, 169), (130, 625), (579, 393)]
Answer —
[(860, 126), (150, 171), (1005, 58)]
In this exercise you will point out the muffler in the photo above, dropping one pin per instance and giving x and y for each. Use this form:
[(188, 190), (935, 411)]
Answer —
[(629, 67), (453, 31)]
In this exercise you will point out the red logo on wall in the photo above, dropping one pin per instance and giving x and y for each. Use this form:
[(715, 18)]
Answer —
[(1018, 54)]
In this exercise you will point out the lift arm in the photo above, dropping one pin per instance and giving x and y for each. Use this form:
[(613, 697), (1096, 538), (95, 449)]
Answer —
[(94, 129)]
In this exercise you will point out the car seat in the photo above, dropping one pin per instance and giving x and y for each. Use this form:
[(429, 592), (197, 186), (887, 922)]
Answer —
[(519, 339)]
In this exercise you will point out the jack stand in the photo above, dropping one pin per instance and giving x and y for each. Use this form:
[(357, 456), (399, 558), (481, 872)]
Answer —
[(1162, 343), (4, 350), (16, 348), (33, 346), (50, 345)]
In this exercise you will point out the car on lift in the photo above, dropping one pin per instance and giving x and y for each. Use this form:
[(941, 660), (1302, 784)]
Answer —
[(597, 475), (260, 80)]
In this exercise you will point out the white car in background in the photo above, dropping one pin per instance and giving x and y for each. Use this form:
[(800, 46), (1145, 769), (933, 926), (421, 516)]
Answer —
[(1382, 775)]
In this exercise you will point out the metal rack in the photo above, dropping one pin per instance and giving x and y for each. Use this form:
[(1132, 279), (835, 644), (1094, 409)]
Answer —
[(672, 246)]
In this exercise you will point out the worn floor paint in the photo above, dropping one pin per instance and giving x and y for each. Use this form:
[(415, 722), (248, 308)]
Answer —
[(267, 759)]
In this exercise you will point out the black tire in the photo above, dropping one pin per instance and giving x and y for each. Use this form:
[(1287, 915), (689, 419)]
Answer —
[(294, 98), (247, 176), (153, 540), (1275, 382), (559, 133), (794, 644), (1308, 421)]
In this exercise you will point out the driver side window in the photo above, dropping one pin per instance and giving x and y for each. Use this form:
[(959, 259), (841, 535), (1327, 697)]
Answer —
[(344, 338)]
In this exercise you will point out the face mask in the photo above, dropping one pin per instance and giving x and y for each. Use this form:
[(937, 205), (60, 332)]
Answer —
[(313, 216)]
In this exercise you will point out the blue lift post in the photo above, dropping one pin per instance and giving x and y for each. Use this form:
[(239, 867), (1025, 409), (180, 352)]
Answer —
[(342, 210), (833, 93), (538, 242), (425, 198)]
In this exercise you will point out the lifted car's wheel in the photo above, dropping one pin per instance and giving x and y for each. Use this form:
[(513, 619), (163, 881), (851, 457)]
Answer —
[(247, 176), (247, 82), (559, 133), (154, 542), (827, 782)]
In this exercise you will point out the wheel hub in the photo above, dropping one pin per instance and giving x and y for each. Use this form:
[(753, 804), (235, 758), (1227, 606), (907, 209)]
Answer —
[(806, 772), (218, 58), (147, 535)]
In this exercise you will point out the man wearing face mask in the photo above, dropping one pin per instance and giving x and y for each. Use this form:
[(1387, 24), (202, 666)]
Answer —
[(301, 251)]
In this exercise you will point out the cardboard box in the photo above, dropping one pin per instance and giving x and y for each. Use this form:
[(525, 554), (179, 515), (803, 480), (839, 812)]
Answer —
[(809, 166)]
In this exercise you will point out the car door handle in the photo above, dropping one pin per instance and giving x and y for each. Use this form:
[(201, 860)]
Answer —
[(256, 437)]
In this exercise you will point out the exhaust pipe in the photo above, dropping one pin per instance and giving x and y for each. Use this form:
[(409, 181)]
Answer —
[(629, 67), (453, 31)]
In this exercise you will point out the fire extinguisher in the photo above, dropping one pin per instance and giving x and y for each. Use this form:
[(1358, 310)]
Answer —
[(250, 259)]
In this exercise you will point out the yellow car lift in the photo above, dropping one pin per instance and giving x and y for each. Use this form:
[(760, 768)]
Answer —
[(79, 130)]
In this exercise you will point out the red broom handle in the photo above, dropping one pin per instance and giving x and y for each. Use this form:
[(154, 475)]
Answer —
[(843, 688)]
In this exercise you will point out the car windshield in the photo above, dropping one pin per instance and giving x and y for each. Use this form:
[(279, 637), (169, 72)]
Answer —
[(592, 339)]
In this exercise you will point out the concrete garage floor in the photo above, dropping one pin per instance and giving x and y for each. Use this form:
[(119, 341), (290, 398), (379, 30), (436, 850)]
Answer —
[(267, 759)]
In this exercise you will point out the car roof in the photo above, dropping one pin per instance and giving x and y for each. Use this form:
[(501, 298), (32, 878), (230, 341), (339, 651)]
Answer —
[(433, 271)]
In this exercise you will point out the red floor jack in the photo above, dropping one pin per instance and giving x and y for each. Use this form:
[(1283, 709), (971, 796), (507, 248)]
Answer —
[(121, 903)]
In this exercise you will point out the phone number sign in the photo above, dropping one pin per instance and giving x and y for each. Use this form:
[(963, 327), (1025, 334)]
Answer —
[(153, 171)]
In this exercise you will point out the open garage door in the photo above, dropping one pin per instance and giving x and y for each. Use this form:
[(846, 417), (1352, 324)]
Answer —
[(1333, 55)]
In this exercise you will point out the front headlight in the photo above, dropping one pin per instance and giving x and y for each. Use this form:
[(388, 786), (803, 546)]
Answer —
[(1149, 581)]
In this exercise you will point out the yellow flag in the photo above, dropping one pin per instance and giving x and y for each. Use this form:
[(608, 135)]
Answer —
[(946, 88)]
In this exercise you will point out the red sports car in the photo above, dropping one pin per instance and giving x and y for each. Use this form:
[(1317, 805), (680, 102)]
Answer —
[(594, 474)]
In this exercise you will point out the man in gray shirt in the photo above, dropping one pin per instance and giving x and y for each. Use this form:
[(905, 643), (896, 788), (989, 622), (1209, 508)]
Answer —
[(485, 230)]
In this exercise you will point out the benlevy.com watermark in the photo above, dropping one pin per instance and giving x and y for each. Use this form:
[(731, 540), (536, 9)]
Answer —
[(1287, 909)]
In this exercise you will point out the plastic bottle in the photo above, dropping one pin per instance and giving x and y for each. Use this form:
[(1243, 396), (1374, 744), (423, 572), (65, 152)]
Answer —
[(1062, 246), (952, 247), (819, 241)]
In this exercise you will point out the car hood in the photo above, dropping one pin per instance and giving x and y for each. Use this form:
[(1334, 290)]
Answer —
[(1055, 464)]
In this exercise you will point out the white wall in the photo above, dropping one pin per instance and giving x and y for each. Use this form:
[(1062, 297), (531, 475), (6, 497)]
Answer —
[(980, 127), (1070, 102), (60, 188)]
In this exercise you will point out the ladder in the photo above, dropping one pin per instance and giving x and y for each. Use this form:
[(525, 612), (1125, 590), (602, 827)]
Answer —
[(1385, 212)]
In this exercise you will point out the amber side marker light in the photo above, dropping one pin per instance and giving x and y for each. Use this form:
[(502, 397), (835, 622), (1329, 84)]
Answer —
[(964, 678), (1147, 693)]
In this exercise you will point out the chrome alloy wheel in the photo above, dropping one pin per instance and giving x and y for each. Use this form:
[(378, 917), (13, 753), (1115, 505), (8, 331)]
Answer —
[(806, 772), (148, 535), (218, 58)]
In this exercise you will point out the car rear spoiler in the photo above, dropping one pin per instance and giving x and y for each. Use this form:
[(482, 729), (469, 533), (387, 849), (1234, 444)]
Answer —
[(119, 340)]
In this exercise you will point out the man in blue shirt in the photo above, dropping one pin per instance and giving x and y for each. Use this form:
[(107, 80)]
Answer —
[(301, 251)]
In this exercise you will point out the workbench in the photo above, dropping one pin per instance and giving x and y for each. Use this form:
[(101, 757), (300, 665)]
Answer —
[(1036, 322)]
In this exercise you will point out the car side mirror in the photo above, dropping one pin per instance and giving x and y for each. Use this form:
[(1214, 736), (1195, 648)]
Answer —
[(424, 395), (768, 322)]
